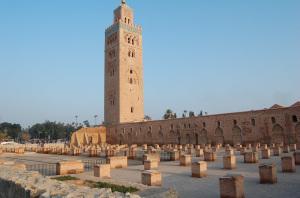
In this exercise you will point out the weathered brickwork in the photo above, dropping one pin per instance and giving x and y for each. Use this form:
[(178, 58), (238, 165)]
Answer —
[(124, 97), (275, 125)]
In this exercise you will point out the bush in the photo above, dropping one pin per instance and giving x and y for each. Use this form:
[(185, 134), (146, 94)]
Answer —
[(65, 178), (113, 187)]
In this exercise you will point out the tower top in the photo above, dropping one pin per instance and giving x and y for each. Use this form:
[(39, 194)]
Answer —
[(123, 2)]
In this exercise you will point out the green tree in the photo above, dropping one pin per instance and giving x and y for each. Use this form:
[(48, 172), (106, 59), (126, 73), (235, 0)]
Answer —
[(169, 114), (86, 123), (51, 130), (12, 130), (147, 118), (3, 136), (191, 114)]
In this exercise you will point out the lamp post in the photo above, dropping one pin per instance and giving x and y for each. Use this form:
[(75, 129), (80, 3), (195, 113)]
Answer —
[(76, 118), (95, 116)]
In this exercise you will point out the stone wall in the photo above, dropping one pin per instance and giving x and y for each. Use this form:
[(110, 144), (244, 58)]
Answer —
[(274, 125), (89, 136), (16, 182)]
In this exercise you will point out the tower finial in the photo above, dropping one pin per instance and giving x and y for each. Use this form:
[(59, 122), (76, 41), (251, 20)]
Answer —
[(123, 1)]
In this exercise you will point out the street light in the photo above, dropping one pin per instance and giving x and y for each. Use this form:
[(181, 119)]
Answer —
[(76, 117), (95, 116)]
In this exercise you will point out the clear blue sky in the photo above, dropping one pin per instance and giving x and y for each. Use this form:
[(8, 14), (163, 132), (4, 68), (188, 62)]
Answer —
[(219, 56)]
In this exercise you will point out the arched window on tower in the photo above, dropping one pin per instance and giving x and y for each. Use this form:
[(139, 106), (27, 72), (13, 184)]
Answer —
[(132, 41), (130, 81), (131, 109), (125, 20), (128, 40), (129, 53)]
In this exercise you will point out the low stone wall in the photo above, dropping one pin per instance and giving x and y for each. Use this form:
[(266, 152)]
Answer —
[(15, 182)]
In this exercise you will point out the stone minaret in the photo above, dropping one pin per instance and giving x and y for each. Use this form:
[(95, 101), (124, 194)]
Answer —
[(124, 86)]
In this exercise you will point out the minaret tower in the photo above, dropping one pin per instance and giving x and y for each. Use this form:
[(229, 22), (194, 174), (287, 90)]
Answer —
[(124, 86)]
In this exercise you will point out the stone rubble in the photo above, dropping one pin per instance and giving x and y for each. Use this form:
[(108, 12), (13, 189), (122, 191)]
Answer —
[(14, 179)]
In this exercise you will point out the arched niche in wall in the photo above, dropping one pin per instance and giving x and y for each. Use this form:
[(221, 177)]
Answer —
[(130, 139), (121, 139), (236, 135), (219, 135), (203, 139), (149, 137), (188, 138), (277, 134), (160, 137)]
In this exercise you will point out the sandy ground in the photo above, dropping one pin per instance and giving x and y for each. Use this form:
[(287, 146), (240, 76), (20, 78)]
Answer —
[(179, 178)]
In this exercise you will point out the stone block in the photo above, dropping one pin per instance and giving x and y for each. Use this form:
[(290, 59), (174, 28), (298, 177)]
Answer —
[(242, 151), (265, 153), (199, 169), (190, 151), (20, 166), (214, 149), (174, 155), (93, 153), (232, 186), (277, 151), (210, 156), (109, 152), (144, 146), (199, 152), (229, 151), (69, 167), (185, 160), (229, 162), (286, 149), (3, 162), (150, 164), (102, 170), (265, 146), (75, 151), (151, 178), (152, 156), (297, 157), (293, 147), (132, 153), (19, 150), (288, 164), (251, 157), (267, 174), (255, 149), (118, 162)]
